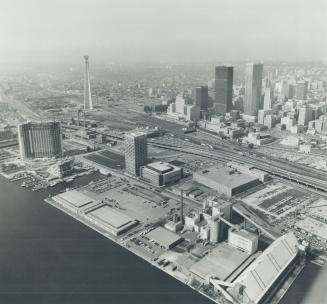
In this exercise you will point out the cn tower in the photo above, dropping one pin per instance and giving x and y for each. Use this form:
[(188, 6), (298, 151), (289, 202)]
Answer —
[(88, 104)]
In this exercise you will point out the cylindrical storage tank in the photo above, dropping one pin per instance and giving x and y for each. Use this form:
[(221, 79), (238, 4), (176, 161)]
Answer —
[(214, 230)]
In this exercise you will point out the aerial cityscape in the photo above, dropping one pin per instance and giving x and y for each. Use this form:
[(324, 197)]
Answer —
[(131, 178)]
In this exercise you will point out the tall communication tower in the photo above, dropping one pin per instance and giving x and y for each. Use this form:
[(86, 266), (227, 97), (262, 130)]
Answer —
[(88, 104)]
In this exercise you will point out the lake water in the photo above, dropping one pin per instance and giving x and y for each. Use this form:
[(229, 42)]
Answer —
[(48, 257)]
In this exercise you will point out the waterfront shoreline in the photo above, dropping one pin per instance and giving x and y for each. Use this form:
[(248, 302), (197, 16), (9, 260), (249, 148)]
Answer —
[(111, 238)]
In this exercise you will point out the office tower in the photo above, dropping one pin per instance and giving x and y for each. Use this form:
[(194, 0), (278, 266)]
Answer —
[(88, 104), (136, 152), (305, 115), (253, 87), (40, 140), (267, 99), (269, 121), (268, 80), (202, 98), (288, 90), (301, 90), (223, 101)]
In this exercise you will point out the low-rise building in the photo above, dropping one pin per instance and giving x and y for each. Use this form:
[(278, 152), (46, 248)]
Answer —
[(161, 174), (258, 139), (305, 148), (225, 180), (62, 168), (179, 109), (243, 240)]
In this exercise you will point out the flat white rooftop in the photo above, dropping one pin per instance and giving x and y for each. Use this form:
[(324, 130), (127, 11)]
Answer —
[(163, 236), (135, 134), (111, 217), (226, 176), (220, 262), (75, 198), (160, 166)]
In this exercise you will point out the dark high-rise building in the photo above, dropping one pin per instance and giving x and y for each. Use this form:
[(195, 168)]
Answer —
[(40, 140), (253, 88), (223, 86), (288, 90), (202, 98), (302, 90), (136, 152)]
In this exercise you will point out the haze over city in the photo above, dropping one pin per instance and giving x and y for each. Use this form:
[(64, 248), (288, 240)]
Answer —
[(162, 30), (163, 151)]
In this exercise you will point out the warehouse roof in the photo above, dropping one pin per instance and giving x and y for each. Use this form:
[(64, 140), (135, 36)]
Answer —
[(109, 216), (220, 262), (163, 237), (76, 198), (264, 271), (226, 176)]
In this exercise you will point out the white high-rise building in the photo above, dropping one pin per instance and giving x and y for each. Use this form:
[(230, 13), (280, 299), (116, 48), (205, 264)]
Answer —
[(267, 99), (136, 152), (88, 103)]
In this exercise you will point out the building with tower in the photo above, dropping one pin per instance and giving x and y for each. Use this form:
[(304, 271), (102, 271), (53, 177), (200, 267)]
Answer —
[(223, 86), (40, 140), (253, 88), (136, 152), (88, 103)]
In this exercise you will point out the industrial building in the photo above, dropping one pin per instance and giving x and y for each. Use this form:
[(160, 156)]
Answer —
[(136, 152), (225, 180), (103, 216), (243, 240), (250, 170), (40, 140), (255, 281), (111, 220), (161, 174), (164, 237), (220, 263)]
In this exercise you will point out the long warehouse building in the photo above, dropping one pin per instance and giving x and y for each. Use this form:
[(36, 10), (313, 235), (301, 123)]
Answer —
[(259, 277)]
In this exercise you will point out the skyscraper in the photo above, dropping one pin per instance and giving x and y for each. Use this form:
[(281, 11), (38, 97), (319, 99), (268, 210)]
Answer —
[(302, 90), (253, 87), (223, 89), (39, 140), (202, 98), (267, 103), (305, 115), (88, 104), (288, 90), (136, 152)]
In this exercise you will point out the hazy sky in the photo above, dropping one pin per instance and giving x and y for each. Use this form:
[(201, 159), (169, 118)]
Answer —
[(128, 30)]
